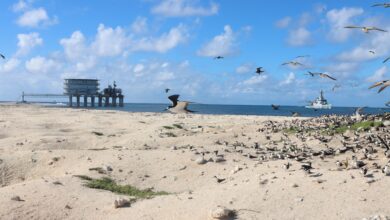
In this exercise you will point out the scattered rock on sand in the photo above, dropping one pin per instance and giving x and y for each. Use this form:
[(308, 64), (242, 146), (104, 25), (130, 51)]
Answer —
[(120, 203), (221, 213), (201, 160), (17, 198)]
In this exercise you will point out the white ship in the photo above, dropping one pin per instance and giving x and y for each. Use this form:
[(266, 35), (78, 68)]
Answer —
[(320, 103)]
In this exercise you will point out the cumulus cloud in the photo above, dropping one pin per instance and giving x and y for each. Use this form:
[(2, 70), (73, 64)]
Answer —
[(35, 18), (290, 78), (338, 19), (378, 75), (181, 8), (284, 22), (221, 45), (21, 5), (139, 25), (41, 65), (163, 43), (26, 42), (9, 65), (299, 37), (110, 41), (255, 80), (244, 68), (74, 47)]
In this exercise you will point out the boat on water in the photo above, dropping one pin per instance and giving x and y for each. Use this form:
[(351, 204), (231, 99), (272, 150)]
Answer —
[(320, 103)]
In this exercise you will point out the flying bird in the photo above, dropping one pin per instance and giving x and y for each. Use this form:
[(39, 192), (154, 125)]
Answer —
[(178, 106), (259, 70), (366, 29), (167, 90), (387, 59), (387, 104), (385, 5), (371, 51), (2, 56), (336, 87), (322, 75), (218, 57), (275, 107), (383, 84), (301, 56), (294, 63)]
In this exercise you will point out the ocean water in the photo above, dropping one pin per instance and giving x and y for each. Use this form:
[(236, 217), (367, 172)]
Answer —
[(234, 109), (249, 109)]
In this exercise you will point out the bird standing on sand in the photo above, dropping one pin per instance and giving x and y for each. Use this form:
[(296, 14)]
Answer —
[(322, 75), (287, 165), (307, 167), (385, 5), (218, 57), (383, 84), (178, 106), (259, 70), (366, 29), (219, 180)]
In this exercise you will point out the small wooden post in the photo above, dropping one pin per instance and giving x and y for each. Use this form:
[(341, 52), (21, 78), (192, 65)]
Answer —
[(92, 101), (78, 100), (70, 101), (100, 101)]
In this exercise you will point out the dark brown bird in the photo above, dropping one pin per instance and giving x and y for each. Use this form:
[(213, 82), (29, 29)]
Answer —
[(2, 56), (218, 57), (178, 106), (259, 70), (385, 5)]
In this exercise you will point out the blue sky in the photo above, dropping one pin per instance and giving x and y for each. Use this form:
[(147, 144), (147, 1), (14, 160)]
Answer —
[(149, 45)]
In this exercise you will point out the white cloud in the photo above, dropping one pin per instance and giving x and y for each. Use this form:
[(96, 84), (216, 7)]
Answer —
[(378, 43), (290, 78), (162, 44), (221, 45), (74, 47), (139, 25), (338, 19), (165, 76), (378, 75), (41, 65), (138, 68), (244, 68), (35, 18), (10, 65), (109, 41), (181, 8), (21, 5), (27, 42), (284, 22), (299, 37), (255, 80)]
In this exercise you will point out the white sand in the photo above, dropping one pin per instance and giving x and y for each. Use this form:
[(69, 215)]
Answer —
[(31, 136)]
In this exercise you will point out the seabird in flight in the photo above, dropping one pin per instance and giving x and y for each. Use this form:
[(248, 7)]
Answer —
[(294, 63), (2, 56), (178, 106), (323, 75), (385, 5), (371, 51), (259, 70), (218, 57), (167, 90), (387, 59), (335, 87), (366, 29), (383, 84)]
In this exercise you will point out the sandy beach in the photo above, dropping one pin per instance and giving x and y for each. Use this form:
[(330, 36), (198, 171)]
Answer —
[(42, 149)]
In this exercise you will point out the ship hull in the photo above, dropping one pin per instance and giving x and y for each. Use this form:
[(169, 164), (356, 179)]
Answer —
[(319, 106)]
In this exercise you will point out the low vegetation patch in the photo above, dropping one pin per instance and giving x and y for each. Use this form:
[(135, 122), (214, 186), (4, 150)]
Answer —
[(97, 133), (168, 127), (108, 184), (178, 126)]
